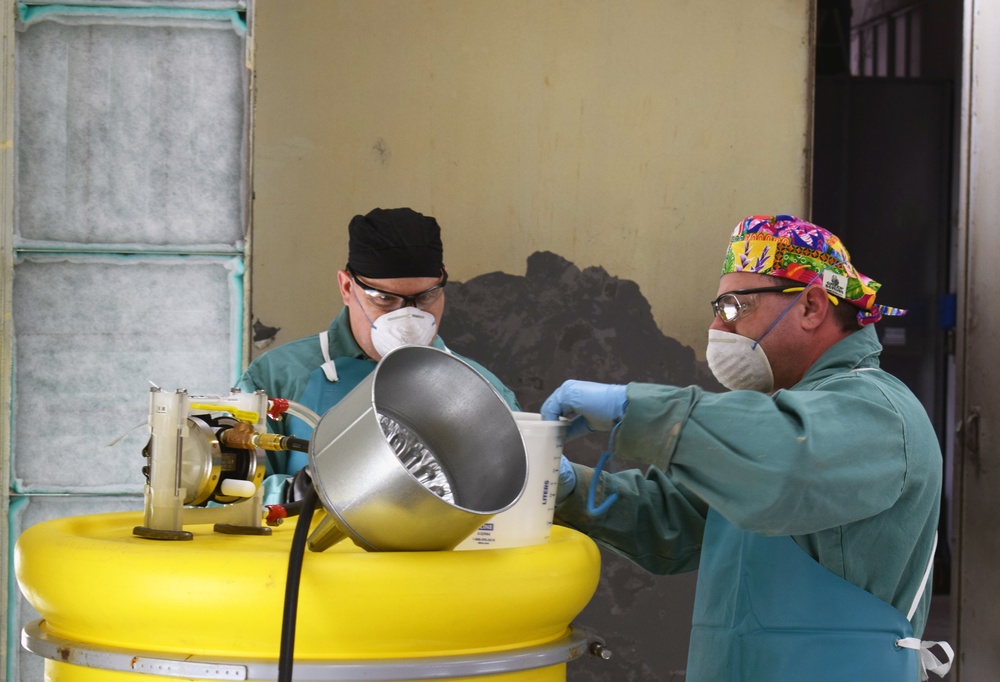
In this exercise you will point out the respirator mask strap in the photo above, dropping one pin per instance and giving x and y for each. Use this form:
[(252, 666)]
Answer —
[(812, 281), (362, 306), (778, 318)]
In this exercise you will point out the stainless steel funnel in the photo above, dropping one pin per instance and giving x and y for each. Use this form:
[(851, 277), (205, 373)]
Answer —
[(416, 457)]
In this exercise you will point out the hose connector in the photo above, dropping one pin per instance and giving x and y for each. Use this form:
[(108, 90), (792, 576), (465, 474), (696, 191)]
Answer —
[(276, 514), (276, 407)]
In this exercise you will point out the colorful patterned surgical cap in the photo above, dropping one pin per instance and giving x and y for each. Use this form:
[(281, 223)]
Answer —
[(791, 248)]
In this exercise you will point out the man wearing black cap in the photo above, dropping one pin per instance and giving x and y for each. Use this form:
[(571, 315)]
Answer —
[(393, 292)]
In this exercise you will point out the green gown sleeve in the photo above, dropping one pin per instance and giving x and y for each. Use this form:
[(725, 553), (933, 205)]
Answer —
[(797, 462), (792, 463)]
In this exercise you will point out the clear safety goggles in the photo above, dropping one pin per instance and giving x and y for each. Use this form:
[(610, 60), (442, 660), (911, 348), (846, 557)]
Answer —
[(731, 307), (389, 301)]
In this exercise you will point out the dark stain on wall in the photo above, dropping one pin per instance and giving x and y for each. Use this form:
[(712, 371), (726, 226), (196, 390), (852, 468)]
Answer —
[(558, 322)]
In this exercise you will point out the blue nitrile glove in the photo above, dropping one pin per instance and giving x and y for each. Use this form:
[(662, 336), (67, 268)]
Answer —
[(567, 480), (590, 406)]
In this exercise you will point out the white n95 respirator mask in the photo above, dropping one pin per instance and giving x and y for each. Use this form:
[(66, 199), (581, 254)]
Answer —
[(738, 363), (404, 327)]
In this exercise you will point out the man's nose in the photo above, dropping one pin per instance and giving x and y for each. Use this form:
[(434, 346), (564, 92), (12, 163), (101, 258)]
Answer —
[(718, 324)]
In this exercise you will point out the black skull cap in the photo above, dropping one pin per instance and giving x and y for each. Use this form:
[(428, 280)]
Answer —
[(388, 243)]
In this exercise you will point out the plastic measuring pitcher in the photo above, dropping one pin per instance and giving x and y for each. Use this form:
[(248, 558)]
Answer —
[(529, 520)]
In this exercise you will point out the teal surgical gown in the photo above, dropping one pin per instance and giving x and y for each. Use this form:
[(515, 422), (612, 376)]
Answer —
[(846, 463), (285, 372)]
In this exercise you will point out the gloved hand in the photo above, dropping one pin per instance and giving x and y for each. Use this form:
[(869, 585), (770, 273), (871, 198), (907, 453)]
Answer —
[(590, 406), (567, 480)]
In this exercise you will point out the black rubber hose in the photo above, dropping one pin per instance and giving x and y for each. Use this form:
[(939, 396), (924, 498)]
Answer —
[(300, 444), (286, 658), (293, 508)]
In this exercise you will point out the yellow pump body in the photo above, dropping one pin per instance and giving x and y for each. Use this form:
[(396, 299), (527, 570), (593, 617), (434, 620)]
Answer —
[(108, 597)]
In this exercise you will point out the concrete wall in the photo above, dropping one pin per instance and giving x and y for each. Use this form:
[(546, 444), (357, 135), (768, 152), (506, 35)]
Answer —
[(627, 135)]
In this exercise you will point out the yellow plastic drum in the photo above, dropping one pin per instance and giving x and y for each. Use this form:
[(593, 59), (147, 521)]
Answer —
[(118, 607)]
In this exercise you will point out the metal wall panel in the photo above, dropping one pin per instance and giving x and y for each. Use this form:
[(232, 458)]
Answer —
[(977, 580)]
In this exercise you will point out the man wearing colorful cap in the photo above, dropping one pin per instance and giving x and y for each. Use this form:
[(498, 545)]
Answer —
[(393, 294), (807, 496)]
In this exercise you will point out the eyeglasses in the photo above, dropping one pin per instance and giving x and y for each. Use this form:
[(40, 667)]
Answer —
[(388, 300), (730, 308)]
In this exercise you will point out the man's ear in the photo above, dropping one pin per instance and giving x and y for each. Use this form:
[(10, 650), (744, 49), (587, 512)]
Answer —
[(816, 307), (345, 284)]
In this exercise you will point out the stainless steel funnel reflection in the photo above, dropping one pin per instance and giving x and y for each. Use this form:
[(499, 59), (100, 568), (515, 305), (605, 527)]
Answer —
[(416, 457)]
